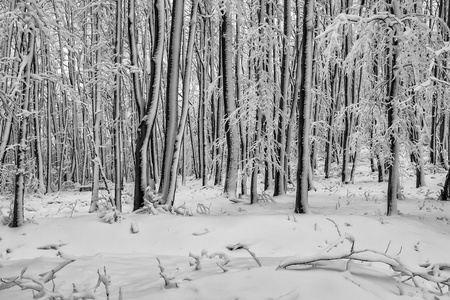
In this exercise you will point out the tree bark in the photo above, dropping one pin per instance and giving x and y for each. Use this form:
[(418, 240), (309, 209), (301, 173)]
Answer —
[(231, 129), (97, 117), (392, 114), (172, 100), (184, 112), (280, 175), (19, 190), (117, 132), (305, 99)]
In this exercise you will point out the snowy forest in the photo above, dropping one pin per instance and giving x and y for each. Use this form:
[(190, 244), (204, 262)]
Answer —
[(224, 149)]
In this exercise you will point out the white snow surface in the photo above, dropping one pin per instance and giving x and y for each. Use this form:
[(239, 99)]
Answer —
[(419, 234)]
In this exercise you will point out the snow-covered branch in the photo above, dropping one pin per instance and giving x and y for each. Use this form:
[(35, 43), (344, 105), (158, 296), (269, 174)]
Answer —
[(438, 273)]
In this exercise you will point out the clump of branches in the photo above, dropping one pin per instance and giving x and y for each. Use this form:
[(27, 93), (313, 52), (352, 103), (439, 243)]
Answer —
[(174, 279), (152, 206), (107, 211), (41, 289)]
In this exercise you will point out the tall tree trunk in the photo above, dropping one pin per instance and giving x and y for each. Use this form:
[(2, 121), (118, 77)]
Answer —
[(167, 174), (280, 176), (117, 109), (37, 131), (140, 164), (231, 129), (184, 113), (330, 136), (305, 99), (348, 101), (97, 116), (147, 112), (19, 189), (392, 113)]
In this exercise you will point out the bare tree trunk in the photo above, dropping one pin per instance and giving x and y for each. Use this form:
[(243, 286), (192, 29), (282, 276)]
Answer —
[(392, 112), (330, 136), (37, 133), (19, 189), (184, 113), (147, 111), (167, 174), (140, 166), (305, 99), (97, 117), (280, 176), (218, 121), (232, 134), (348, 101), (117, 108)]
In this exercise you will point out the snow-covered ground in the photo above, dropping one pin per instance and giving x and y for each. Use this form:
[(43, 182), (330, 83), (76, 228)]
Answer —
[(419, 234)]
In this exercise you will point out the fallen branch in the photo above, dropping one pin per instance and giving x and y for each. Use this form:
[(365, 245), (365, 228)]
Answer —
[(429, 272), (51, 246), (198, 233), (245, 247), (105, 279)]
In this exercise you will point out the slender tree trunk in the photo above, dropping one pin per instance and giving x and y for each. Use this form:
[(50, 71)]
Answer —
[(305, 99), (348, 100), (37, 132), (172, 100), (232, 134), (330, 135), (392, 112), (50, 93), (97, 117), (218, 121), (6, 133), (117, 109), (184, 113), (140, 167), (280, 176), (19, 190)]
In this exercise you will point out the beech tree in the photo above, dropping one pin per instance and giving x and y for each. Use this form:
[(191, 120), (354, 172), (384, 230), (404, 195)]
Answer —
[(26, 100), (265, 96), (304, 114), (231, 129)]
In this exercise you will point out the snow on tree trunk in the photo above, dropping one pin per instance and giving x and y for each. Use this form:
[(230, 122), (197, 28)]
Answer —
[(184, 112), (305, 98), (147, 111), (97, 117), (19, 188), (392, 114), (116, 110), (172, 100), (280, 176), (232, 134)]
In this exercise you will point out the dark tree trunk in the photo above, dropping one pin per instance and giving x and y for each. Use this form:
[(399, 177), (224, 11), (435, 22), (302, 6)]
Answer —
[(280, 176), (305, 99), (167, 173), (19, 189)]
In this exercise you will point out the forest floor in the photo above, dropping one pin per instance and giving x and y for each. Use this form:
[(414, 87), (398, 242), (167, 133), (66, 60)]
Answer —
[(61, 226)]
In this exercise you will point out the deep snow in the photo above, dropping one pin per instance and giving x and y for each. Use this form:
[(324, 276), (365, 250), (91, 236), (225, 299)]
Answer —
[(421, 233)]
